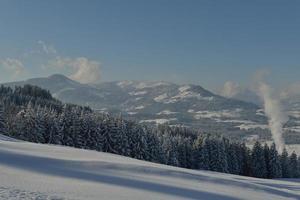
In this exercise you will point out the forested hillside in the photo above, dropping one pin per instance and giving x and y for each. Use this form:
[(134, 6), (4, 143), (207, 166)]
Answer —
[(32, 114)]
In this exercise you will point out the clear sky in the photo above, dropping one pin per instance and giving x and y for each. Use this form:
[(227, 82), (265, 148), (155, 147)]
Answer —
[(206, 42)]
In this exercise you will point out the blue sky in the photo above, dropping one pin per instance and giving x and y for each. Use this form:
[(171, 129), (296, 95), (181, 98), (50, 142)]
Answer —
[(206, 42)]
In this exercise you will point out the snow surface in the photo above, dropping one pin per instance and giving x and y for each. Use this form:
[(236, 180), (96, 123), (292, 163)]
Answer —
[(294, 113), (158, 121), (184, 88), (37, 171), (138, 98), (293, 128), (139, 107), (137, 93), (132, 113), (166, 112), (260, 112), (184, 93), (123, 84), (143, 85), (161, 97), (252, 126), (215, 114), (5, 138)]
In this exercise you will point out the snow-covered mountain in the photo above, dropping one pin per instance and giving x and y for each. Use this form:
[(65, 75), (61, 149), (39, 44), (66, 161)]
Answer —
[(163, 102), (160, 102), (37, 171)]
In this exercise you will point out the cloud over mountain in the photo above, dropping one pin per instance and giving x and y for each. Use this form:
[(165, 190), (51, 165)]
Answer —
[(13, 66), (230, 89), (82, 69)]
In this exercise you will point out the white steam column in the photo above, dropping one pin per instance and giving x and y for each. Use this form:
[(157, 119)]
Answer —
[(274, 112)]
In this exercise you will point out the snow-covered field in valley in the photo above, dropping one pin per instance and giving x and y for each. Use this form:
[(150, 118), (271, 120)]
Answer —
[(36, 171)]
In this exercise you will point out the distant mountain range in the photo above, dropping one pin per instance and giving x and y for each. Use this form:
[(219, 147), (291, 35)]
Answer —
[(163, 103)]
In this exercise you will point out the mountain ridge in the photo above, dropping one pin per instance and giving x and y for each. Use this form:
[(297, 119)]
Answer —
[(160, 102), (157, 102)]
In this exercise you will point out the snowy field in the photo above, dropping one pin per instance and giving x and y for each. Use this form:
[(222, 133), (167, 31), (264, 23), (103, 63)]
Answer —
[(35, 171)]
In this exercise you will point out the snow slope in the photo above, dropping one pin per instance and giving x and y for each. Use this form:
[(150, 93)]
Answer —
[(36, 171)]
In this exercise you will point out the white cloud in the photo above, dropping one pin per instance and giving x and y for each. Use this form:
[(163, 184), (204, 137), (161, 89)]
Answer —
[(48, 49), (230, 89), (13, 66), (82, 69)]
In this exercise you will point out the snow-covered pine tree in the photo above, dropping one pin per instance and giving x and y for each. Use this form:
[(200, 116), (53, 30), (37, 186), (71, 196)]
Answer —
[(42, 126), (3, 126), (96, 136), (240, 157), (284, 159), (124, 148), (246, 160), (222, 156), (232, 158), (258, 162), (55, 131), (293, 165), (76, 128), (274, 163), (267, 158), (32, 126), (217, 155), (184, 151), (197, 147), (204, 159), (173, 153), (110, 135), (298, 167), (137, 141), (213, 147), (88, 141), (154, 147), (169, 148), (65, 123)]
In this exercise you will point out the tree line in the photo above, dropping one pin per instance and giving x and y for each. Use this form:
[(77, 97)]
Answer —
[(30, 113)]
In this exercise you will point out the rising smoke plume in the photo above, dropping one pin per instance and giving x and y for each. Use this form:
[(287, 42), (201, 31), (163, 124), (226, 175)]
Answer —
[(273, 110)]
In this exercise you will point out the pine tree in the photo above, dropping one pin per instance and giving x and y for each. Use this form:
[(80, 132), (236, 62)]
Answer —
[(123, 141), (222, 157), (31, 126), (293, 165), (298, 168), (3, 126), (111, 136), (65, 123), (213, 151), (233, 159), (171, 154), (76, 128), (197, 147), (138, 142), (267, 159), (284, 159), (258, 161), (217, 155), (204, 159), (246, 160), (55, 131), (275, 170), (155, 152)]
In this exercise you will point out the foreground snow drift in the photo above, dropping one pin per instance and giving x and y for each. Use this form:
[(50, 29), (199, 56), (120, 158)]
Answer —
[(35, 171)]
